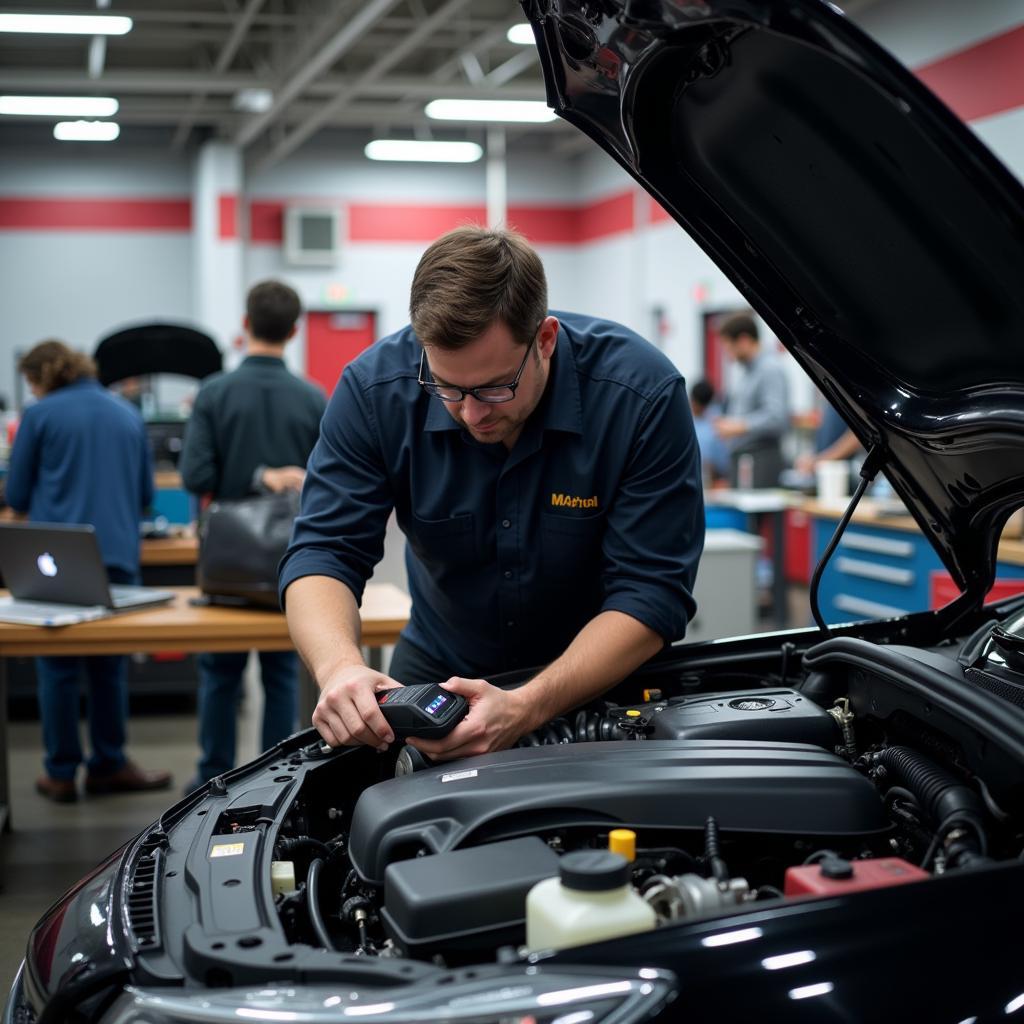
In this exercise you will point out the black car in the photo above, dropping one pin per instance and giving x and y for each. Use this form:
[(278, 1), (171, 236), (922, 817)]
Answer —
[(829, 823)]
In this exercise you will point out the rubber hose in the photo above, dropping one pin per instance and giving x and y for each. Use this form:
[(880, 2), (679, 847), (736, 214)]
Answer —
[(940, 793), (287, 846), (316, 919), (711, 851)]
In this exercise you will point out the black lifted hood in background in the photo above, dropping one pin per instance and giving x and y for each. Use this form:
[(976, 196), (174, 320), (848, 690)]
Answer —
[(879, 239)]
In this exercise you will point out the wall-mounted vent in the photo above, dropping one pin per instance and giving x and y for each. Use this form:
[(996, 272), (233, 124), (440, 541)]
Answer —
[(311, 236)]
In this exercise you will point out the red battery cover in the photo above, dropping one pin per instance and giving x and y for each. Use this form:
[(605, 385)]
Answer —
[(809, 880)]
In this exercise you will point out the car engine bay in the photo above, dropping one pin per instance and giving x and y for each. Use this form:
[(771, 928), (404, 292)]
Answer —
[(853, 778), (750, 775)]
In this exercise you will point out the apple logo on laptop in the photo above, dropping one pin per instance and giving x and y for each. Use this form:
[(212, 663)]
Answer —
[(47, 565)]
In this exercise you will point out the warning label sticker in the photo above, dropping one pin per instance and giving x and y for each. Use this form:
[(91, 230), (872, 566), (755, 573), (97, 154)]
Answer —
[(228, 850), (455, 776)]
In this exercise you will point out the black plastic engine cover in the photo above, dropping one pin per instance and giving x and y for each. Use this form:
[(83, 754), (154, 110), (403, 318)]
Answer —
[(773, 788), (781, 715)]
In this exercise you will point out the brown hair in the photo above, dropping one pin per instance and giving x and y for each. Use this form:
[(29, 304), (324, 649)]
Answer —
[(737, 325), (473, 277), (51, 365), (272, 308)]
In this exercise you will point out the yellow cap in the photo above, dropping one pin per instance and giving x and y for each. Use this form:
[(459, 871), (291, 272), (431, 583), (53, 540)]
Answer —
[(632, 713), (623, 841)]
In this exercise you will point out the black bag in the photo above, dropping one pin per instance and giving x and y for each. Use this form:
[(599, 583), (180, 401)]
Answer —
[(241, 544)]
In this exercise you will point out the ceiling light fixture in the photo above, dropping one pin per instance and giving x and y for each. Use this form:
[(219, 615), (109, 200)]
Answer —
[(521, 34), (86, 131), (67, 24), (526, 111), (253, 100), (423, 150), (59, 106)]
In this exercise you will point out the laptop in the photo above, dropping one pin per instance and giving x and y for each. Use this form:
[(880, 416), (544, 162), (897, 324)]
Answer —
[(57, 578)]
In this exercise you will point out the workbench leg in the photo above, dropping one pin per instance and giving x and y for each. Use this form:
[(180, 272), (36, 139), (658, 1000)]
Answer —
[(5, 786), (375, 658), (309, 694), (780, 597)]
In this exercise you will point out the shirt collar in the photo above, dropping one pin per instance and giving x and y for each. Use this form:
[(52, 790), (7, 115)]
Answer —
[(560, 407), (263, 361)]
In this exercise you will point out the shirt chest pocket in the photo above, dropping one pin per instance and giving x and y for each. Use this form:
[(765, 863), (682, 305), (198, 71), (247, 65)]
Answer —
[(445, 542), (571, 546)]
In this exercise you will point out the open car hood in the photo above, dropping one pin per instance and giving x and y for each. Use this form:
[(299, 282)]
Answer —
[(878, 238)]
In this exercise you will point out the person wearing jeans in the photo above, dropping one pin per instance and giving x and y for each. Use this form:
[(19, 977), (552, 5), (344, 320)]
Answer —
[(219, 694), (81, 456), (251, 431)]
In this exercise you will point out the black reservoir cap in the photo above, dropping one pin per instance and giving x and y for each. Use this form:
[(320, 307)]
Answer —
[(593, 870)]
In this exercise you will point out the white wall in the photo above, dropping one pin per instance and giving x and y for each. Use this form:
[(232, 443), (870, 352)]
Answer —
[(82, 284)]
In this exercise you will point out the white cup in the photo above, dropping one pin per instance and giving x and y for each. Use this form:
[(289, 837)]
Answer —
[(833, 479)]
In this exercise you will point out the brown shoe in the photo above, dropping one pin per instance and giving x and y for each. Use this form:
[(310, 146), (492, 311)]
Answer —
[(60, 791), (129, 779)]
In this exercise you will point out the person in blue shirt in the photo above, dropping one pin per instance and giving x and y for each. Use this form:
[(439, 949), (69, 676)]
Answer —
[(81, 456), (544, 469), (714, 455)]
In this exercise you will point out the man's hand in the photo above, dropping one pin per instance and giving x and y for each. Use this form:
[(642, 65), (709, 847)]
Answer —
[(283, 478), (496, 719), (347, 713), (729, 427)]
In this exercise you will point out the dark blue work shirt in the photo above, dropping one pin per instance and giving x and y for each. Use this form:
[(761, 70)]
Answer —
[(81, 456), (597, 506)]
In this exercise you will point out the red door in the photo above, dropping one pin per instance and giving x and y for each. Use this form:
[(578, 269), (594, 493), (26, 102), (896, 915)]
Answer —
[(333, 340)]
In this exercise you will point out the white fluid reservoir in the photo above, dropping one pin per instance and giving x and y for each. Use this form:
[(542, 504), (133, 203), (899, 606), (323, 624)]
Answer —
[(590, 901)]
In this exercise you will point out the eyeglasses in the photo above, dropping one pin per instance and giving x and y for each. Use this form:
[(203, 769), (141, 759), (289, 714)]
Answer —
[(494, 394)]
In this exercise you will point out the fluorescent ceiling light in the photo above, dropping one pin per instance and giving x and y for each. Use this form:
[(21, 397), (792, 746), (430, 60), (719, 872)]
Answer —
[(253, 100), (531, 111), (521, 34), (67, 24), (59, 106), (86, 131), (424, 150)]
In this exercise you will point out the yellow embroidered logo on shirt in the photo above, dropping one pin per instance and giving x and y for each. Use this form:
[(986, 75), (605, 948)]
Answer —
[(572, 501)]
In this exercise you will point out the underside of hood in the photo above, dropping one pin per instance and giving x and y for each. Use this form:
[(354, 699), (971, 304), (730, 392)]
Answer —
[(878, 238)]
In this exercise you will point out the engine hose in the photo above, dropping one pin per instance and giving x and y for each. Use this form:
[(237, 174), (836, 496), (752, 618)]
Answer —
[(583, 727), (286, 846), (711, 852), (316, 919), (948, 801)]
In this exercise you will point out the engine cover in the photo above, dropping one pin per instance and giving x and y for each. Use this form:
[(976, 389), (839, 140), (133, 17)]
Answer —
[(772, 788)]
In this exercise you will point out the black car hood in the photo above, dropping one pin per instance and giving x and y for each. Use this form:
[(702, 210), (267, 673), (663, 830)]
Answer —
[(878, 238)]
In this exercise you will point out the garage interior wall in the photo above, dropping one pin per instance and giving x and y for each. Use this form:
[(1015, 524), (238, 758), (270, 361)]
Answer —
[(91, 239)]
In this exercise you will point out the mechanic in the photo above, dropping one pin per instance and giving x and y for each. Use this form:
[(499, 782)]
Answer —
[(545, 472)]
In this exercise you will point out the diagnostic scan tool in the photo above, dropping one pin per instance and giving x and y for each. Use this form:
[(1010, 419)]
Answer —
[(426, 711)]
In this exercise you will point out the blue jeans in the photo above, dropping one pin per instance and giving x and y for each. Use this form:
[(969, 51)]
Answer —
[(58, 681), (220, 686)]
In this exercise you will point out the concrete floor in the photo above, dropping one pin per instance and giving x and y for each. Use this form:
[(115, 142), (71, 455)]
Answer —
[(52, 845)]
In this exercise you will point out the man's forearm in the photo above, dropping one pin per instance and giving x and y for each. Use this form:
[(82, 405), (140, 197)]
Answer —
[(603, 653), (323, 619)]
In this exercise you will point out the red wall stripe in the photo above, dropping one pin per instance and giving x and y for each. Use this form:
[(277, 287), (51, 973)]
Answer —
[(980, 80), (391, 223), (610, 216), (266, 222), (19, 213), (227, 217)]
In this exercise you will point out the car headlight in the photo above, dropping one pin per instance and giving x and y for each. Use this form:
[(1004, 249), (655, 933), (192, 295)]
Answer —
[(489, 995)]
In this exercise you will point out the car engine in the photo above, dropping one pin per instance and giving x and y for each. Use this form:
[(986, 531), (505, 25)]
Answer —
[(734, 797)]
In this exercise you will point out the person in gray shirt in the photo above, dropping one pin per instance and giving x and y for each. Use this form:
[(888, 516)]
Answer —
[(251, 430), (757, 408)]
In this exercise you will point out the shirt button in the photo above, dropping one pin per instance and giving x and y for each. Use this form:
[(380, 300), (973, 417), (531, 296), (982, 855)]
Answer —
[(506, 523), (507, 574)]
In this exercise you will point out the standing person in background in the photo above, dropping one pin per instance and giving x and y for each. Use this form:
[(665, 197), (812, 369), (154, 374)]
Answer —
[(714, 455), (251, 431), (757, 410), (81, 456)]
